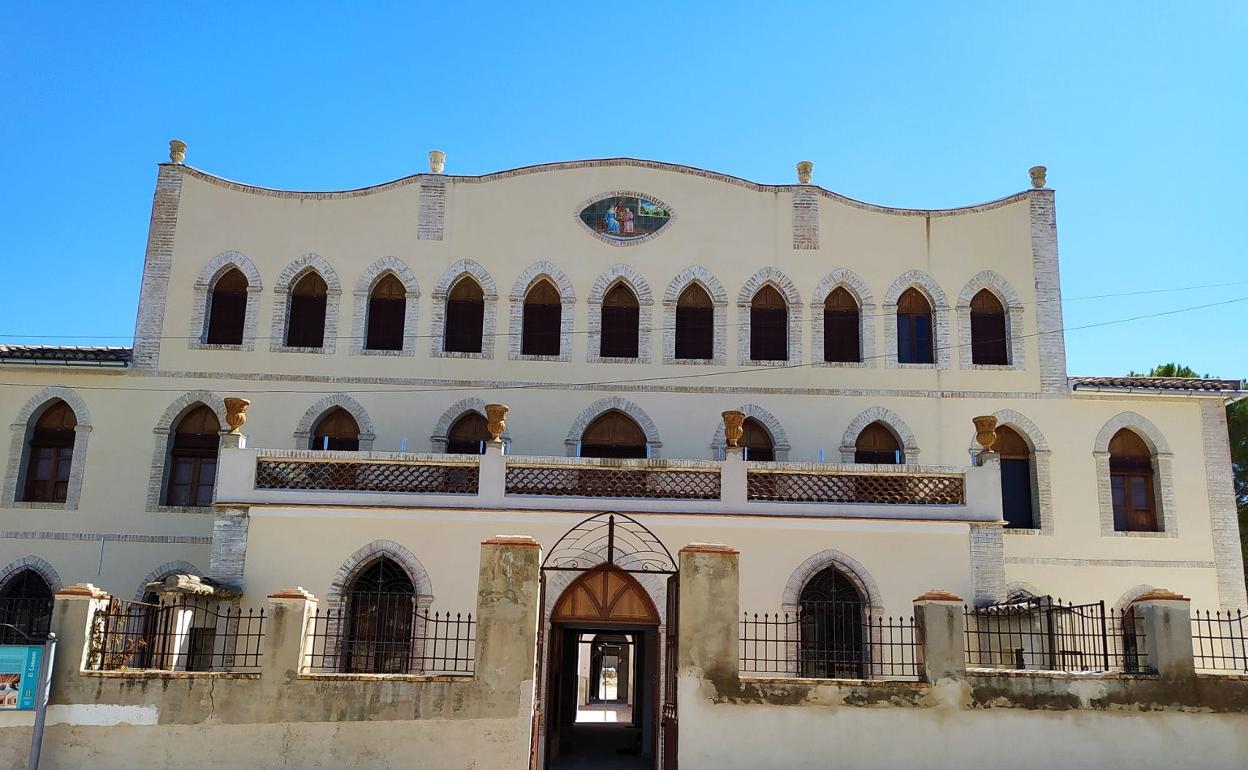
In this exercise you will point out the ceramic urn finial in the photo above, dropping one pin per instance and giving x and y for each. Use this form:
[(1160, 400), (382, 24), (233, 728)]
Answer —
[(733, 427), (496, 420), (177, 151), (1038, 176), (804, 169), (437, 161), (985, 431), (236, 414)]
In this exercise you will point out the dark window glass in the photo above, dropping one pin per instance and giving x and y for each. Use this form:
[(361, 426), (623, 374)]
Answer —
[(831, 617), (757, 441), (50, 455), (915, 343), (988, 335), (305, 327), (1131, 483), (336, 430), (25, 609), (543, 315), (465, 317), (769, 326), (382, 619), (227, 309), (877, 444), (1016, 487), (695, 324), (387, 308), (841, 335), (620, 322), (613, 434), (468, 435), (193, 459)]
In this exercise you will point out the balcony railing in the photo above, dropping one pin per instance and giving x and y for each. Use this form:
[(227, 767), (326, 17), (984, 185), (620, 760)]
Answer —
[(495, 480)]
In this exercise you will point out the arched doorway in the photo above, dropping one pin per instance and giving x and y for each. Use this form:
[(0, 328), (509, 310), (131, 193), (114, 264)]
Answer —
[(831, 640), (609, 696)]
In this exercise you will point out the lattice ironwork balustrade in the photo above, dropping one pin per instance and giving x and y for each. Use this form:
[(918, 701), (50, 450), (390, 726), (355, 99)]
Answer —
[(613, 482), (365, 476), (883, 489)]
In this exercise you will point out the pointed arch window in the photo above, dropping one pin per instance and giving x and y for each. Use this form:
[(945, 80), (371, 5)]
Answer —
[(227, 309), (613, 434), (305, 327), (989, 337), (193, 458), (757, 441), (25, 608), (769, 326), (831, 616), (842, 336), (915, 339), (381, 621), (50, 455), (1131, 483), (465, 317), (878, 445), (468, 435), (695, 324), (387, 308), (620, 323), (1017, 489), (543, 316), (336, 430)]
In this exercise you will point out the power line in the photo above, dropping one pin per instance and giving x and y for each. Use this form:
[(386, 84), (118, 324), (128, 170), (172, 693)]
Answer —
[(627, 381), (738, 324)]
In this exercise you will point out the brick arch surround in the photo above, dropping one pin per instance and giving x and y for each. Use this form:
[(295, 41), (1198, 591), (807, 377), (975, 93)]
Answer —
[(940, 319), (719, 314), (847, 566), (1041, 473), (364, 557), (616, 403), (448, 418), (36, 565), (892, 420), (286, 280), (779, 438), (22, 427), (867, 311), (769, 276), (489, 294), (1009, 299), (202, 288), (625, 274), (160, 441), (303, 431), (359, 307), (567, 298), (1163, 474)]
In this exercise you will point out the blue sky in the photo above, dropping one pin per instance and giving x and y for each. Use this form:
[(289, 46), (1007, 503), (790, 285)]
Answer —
[(1137, 108)]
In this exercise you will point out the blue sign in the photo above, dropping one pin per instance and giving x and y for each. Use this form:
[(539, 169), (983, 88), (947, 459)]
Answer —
[(19, 676)]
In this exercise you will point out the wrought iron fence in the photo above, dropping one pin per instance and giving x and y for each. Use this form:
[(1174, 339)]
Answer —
[(389, 634), (665, 484), (25, 620), (187, 634), (1045, 634), (829, 640), (336, 475), (1220, 641), (840, 487)]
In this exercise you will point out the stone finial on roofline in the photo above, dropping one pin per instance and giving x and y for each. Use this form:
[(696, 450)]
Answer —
[(804, 169), (1038, 176), (177, 151), (437, 161)]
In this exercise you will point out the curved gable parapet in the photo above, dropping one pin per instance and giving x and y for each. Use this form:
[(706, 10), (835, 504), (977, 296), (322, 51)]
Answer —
[(540, 168)]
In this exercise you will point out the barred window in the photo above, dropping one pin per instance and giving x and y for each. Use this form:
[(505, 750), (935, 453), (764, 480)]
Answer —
[(305, 324), (841, 327), (50, 455), (915, 339), (877, 444), (25, 608), (337, 429), (381, 610), (695, 324), (468, 435), (387, 310), (227, 309), (769, 326), (620, 323), (988, 333), (831, 640), (613, 434), (465, 317), (192, 468), (1131, 481), (543, 316)]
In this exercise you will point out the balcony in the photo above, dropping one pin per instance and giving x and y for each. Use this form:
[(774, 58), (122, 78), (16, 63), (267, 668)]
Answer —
[(496, 481)]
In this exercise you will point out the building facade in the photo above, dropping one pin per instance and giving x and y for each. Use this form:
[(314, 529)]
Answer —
[(625, 311)]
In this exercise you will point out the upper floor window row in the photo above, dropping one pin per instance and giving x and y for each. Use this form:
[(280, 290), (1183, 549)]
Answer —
[(842, 321)]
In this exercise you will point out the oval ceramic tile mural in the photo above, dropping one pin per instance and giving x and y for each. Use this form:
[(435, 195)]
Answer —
[(625, 218)]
